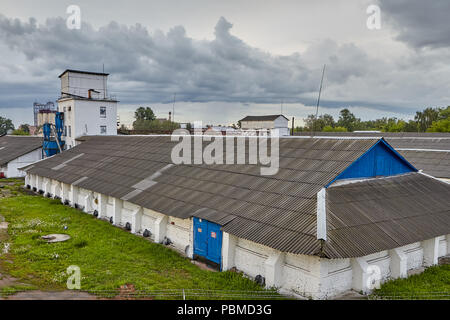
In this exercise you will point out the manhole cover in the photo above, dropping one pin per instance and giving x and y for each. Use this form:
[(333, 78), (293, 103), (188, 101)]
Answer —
[(56, 237)]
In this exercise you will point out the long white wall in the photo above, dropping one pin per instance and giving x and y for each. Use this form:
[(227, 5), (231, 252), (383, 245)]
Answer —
[(308, 276)]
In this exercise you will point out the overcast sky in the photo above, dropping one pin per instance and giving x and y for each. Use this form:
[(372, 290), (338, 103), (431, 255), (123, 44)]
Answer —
[(228, 59)]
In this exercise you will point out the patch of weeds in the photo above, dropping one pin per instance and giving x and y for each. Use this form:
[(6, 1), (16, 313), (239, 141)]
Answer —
[(433, 283), (80, 244)]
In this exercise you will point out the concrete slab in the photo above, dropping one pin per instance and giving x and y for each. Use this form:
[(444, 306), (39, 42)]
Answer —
[(56, 237)]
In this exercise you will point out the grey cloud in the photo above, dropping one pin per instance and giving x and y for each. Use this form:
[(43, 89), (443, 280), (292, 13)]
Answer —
[(419, 23), (152, 66), (149, 67)]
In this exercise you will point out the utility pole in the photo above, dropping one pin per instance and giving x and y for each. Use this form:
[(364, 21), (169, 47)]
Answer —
[(313, 129)]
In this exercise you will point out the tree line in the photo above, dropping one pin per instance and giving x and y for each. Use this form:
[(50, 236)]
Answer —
[(6, 125), (145, 120), (428, 120)]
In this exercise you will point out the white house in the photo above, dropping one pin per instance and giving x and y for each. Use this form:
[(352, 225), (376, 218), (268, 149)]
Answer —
[(340, 214), (87, 107), (277, 121), (16, 152)]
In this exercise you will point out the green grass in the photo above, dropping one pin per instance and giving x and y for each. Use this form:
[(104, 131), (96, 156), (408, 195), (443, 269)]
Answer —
[(107, 256), (433, 283)]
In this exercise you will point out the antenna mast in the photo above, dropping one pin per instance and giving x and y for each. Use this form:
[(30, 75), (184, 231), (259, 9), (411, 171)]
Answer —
[(173, 108), (313, 129)]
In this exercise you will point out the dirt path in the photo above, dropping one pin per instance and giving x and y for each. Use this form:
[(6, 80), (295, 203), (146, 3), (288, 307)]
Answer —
[(51, 295)]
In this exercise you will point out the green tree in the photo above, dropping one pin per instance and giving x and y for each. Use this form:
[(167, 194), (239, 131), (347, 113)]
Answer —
[(155, 125), (5, 125), (348, 120), (426, 117), (321, 122), (411, 126), (443, 122), (20, 132), (335, 129), (440, 126), (142, 113), (395, 125), (25, 128)]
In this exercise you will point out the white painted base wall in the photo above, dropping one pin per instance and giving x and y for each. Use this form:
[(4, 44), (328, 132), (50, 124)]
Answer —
[(308, 276)]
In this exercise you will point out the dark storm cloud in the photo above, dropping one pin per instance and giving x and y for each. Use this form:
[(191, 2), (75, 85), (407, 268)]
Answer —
[(419, 23), (150, 67)]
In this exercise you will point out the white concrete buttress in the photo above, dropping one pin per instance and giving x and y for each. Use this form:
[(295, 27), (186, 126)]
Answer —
[(273, 269), (447, 237), (73, 195), (399, 267), (136, 220), (228, 250), (102, 205), (160, 228), (117, 211), (360, 275), (430, 252)]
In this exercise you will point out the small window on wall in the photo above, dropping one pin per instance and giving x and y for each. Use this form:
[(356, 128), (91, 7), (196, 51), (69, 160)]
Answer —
[(102, 129), (70, 131), (102, 112)]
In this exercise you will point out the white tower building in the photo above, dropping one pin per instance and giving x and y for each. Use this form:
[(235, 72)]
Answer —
[(87, 107)]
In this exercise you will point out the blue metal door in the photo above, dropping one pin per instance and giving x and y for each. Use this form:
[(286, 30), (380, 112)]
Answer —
[(214, 242), (208, 240), (200, 237)]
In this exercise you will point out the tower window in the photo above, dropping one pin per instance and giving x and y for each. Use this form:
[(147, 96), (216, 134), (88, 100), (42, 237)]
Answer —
[(102, 129), (102, 112)]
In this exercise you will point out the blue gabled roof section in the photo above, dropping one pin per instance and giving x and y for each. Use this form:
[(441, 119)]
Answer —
[(380, 160)]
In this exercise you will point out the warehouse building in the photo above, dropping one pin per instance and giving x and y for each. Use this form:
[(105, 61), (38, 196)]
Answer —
[(336, 210), (270, 122), (16, 152)]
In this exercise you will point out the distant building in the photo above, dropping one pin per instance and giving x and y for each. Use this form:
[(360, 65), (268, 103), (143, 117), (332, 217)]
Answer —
[(269, 122), (87, 107), (17, 152), (45, 116), (33, 130), (40, 108)]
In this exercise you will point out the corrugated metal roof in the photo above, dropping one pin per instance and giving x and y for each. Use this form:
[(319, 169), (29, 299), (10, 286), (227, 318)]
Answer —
[(427, 151), (278, 211), (263, 118), (12, 147), (380, 214), (435, 163), (378, 134)]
